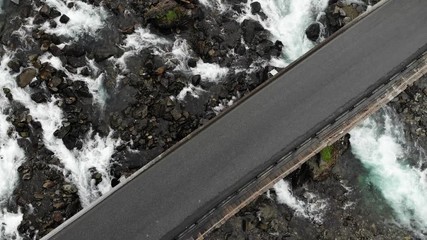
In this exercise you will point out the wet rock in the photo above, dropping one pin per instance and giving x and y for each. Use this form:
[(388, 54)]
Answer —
[(267, 213), (57, 216), (64, 19), (250, 28), (39, 19), (38, 196), (72, 208), (15, 65), (55, 50), (59, 205), (45, 11), (103, 53), (76, 62), (48, 184), (8, 93), (74, 51), (255, 7), (176, 114), (27, 176), (195, 80), (54, 13), (313, 31), (192, 62), (159, 71), (26, 77), (53, 83), (167, 14), (81, 89), (39, 97), (69, 188), (141, 112)]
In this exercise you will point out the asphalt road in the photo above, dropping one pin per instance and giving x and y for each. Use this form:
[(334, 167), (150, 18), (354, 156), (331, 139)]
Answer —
[(185, 184)]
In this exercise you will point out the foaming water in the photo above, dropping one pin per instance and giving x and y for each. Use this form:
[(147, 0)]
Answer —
[(210, 72), (379, 142), (11, 157), (95, 84), (85, 19), (215, 5), (313, 208), (141, 39), (96, 151), (181, 53), (287, 21), (9, 223)]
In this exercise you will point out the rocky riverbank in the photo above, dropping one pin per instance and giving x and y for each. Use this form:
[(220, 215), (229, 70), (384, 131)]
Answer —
[(143, 76)]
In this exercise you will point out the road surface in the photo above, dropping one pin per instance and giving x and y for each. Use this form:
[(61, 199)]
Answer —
[(186, 183)]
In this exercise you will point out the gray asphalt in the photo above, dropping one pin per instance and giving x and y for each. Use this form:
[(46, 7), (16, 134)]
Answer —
[(185, 184)]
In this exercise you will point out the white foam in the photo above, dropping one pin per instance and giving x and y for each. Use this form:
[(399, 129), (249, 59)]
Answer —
[(181, 53), (379, 142), (224, 104), (141, 39), (313, 209), (95, 153), (11, 157), (215, 5), (85, 19), (9, 223), (359, 2), (287, 21), (179, 56), (95, 85), (210, 72), (194, 91)]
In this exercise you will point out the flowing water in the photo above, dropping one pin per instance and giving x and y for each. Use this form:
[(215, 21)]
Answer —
[(287, 21), (395, 167), (378, 142), (96, 151)]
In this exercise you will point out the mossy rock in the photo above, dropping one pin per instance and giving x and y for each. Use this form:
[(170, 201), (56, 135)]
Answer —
[(321, 165), (326, 154), (350, 11), (167, 14)]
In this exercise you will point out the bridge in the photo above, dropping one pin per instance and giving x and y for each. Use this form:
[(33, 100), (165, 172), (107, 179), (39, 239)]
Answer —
[(196, 185)]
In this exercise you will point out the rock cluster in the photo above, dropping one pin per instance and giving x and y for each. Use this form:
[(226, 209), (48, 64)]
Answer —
[(139, 109)]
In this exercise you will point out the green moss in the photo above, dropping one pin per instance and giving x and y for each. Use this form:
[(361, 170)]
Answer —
[(171, 16), (326, 154)]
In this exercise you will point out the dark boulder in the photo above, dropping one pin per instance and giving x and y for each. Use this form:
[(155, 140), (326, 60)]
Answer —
[(313, 31), (54, 13), (103, 53), (64, 19), (14, 64), (192, 62), (195, 80), (255, 7), (250, 29), (76, 62), (45, 11), (39, 97), (39, 19)]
